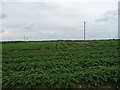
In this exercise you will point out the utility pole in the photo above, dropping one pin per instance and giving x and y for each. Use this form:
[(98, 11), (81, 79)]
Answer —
[(84, 31), (24, 38), (27, 39)]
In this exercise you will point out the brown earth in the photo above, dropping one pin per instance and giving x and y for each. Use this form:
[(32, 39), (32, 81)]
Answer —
[(82, 42)]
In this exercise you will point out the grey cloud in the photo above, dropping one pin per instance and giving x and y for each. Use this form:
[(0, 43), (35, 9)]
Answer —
[(2, 30), (30, 27), (52, 27), (3, 16), (45, 20), (110, 15)]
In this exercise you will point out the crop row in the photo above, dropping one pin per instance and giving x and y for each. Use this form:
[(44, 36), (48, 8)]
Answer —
[(90, 77), (61, 64)]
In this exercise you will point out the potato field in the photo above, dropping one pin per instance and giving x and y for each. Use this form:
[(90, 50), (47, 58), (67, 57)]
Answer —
[(61, 64)]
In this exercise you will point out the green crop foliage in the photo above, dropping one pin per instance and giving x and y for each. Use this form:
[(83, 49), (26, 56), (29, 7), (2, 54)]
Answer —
[(61, 64)]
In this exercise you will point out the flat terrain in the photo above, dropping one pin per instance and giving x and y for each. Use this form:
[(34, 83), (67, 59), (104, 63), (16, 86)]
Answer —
[(61, 64)]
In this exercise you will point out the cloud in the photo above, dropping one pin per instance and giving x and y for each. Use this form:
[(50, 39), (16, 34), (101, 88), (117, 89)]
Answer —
[(56, 20), (30, 27), (108, 16), (60, 1), (2, 30), (2, 16)]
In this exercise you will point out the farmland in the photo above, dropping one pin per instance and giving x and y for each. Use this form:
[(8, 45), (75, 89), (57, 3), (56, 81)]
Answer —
[(61, 64)]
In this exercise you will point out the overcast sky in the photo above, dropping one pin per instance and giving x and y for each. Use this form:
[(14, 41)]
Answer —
[(58, 19)]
